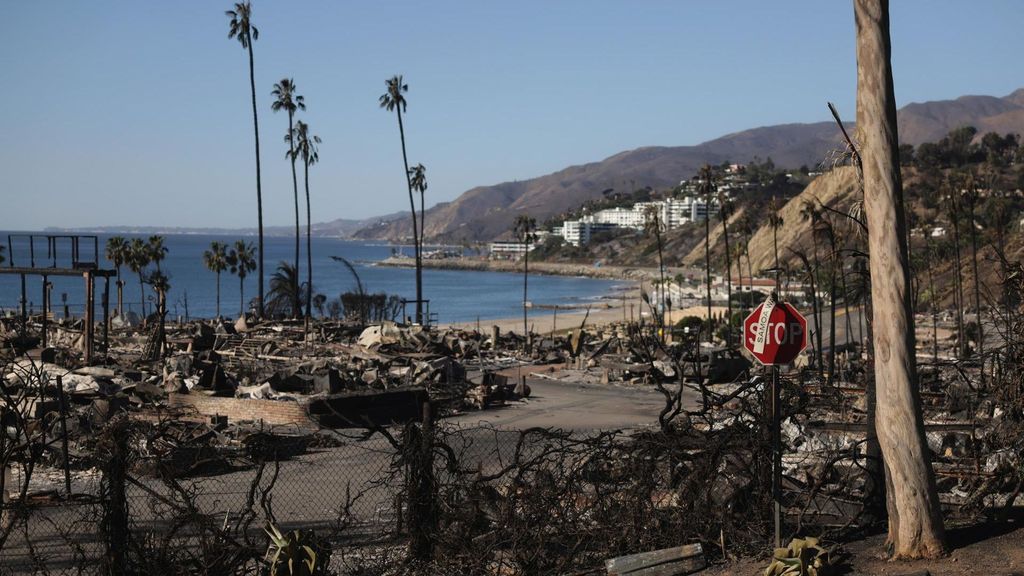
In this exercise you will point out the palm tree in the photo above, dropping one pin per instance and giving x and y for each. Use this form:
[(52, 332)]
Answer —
[(241, 28), (418, 180), (809, 213), (216, 260), (524, 230), (305, 145), (286, 98), (117, 253), (394, 99), (281, 298), (241, 261), (157, 250), (137, 260)]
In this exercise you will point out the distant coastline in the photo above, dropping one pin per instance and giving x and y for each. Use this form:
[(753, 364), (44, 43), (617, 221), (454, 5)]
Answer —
[(629, 273)]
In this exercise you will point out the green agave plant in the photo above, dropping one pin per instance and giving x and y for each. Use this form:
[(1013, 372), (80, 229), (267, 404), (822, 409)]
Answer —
[(803, 557), (290, 554)]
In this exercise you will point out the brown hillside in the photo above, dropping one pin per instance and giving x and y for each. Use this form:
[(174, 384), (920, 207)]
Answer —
[(486, 212), (837, 188)]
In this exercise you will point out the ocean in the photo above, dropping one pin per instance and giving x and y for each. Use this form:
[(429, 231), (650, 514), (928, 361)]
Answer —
[(455, 296)]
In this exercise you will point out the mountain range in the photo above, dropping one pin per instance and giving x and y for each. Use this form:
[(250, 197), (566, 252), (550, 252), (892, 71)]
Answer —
[(487, 212)]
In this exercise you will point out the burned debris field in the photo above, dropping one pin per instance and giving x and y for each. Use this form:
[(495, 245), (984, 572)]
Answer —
[(245, 330)]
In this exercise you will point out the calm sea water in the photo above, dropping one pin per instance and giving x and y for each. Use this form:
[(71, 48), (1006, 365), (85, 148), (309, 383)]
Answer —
[(455, 296)]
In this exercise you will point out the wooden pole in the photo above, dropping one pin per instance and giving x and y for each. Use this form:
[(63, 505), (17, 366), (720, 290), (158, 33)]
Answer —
[(87, 331), (106, 314), (46, 310)]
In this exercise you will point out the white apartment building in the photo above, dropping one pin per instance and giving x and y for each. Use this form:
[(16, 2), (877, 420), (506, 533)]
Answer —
[(623, 217), (509, 249), (579, 232)]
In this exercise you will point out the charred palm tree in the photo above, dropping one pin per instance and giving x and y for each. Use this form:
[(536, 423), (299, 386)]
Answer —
[(826, 233), (953, 212), (776, 222), (161, 284), (394, 100), (813, 293), (286, 98), (654, 226), (970, 201), (306, 146), (241, 28), (809, 213)]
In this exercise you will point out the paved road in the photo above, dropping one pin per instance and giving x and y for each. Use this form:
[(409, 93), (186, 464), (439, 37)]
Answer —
[(311, 490)]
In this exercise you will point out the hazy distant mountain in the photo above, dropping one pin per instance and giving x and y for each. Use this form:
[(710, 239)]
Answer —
[(339, 228), (486, 212)]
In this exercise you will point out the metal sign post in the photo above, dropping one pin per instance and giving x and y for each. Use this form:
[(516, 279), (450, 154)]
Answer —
[(775, 333)]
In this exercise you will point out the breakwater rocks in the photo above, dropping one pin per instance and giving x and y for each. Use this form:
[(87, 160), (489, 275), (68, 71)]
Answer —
[(547, 268)]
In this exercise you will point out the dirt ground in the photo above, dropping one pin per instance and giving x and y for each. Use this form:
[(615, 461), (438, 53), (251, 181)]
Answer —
[(987, 550)]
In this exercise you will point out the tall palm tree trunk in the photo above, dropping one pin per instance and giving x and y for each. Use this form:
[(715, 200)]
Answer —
[(309, 246), (415, 227), (526, 276), (915, 518), (218, 294), (142, 295), (297, 302), (259, 188), (241, 296), (707, 246), (661, 276), (750, 270), (775, 248), (728, 282)]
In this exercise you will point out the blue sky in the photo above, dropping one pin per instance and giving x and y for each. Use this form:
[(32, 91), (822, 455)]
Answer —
[(138, 113)]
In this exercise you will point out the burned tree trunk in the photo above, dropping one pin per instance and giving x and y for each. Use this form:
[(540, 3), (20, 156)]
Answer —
[(915, 519)]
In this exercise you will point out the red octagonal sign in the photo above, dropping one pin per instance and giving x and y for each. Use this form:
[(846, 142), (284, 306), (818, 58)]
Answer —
[(775, 333)]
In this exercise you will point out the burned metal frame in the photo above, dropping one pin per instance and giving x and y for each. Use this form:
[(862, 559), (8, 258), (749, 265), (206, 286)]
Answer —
[(88, 269)]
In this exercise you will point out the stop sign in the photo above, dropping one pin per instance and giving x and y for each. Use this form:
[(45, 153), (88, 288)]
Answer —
[(775, 333)]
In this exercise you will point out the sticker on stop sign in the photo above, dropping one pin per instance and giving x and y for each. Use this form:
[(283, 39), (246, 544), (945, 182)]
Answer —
[(775, 333)]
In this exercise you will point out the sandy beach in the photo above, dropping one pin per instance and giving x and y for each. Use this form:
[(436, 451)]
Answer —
[(624, 305)]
